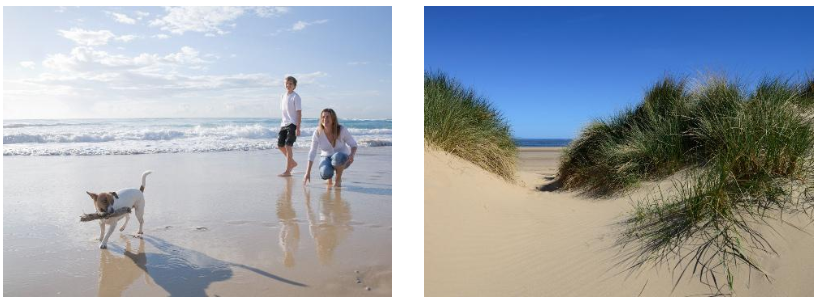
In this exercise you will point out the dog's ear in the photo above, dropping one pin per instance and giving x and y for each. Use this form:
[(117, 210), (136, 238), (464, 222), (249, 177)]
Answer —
[(93, 196)]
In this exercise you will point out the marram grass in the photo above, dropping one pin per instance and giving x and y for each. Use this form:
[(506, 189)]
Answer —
[(745, 158), (466, 125)]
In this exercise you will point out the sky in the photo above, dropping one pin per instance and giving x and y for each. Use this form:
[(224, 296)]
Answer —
[(157, 62), (552, 70)]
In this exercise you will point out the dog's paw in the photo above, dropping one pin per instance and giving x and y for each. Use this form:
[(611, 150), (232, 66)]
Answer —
[(103, 246)]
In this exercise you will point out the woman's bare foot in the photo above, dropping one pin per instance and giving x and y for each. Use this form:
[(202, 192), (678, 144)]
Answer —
[(337, 183), (285, 174)]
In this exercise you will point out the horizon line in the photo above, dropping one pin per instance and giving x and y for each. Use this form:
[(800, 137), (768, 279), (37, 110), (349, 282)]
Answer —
[(89, 118)]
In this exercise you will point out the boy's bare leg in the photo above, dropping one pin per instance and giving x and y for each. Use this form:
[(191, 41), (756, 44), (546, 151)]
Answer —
[(290, 161)]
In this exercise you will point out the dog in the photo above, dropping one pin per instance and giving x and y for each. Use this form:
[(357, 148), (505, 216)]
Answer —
[(107, 202)]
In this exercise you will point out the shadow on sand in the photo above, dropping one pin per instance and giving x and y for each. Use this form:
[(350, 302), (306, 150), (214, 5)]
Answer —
[(553, 186), (179, 271)]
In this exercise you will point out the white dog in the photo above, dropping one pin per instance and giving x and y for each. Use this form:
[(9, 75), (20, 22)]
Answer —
[(109, 201)]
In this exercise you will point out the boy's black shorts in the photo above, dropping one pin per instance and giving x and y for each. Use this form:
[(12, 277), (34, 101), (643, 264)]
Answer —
[(287, 136)]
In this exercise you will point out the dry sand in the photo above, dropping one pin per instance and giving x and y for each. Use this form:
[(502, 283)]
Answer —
[(486, 237), (216, 224)]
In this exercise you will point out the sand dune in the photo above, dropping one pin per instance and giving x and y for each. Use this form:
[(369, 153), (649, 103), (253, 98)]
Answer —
[(487, 237)]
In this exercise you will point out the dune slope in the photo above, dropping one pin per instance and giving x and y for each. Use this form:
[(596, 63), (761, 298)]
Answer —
[(486, 237)]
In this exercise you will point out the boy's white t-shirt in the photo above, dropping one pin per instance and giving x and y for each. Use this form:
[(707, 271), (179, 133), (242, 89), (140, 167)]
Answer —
[(290, 104)]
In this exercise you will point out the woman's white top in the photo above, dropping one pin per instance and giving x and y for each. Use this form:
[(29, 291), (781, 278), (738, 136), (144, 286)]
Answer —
[(321, 142)]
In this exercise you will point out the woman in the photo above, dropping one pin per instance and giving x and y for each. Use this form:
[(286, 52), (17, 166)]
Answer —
[(334, 141)]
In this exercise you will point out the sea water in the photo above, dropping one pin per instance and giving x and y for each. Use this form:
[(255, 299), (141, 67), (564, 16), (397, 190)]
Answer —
[(167, 135)]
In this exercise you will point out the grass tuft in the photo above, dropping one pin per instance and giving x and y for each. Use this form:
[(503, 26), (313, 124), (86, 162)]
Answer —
[(466, 125), (746, 157)]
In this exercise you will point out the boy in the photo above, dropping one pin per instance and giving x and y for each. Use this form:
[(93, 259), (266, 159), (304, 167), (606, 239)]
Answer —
[(290, 124)]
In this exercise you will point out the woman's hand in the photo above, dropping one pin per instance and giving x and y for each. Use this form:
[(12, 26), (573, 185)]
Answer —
[(350, 160), (306, 179)]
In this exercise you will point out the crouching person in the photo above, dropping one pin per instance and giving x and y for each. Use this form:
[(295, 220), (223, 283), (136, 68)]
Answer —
[(337, 148)]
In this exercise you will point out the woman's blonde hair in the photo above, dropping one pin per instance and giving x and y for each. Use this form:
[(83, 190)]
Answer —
[(333, 116)]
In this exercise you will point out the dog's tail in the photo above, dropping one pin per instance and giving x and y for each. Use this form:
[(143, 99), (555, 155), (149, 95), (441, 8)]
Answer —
[(144, 178)]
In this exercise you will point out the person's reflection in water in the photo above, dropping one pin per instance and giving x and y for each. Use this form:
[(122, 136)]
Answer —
[(117, 273), (289, 229), (330, 224)]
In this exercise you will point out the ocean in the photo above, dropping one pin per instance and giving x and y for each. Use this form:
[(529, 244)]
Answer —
[(167, 135), (541, 142)]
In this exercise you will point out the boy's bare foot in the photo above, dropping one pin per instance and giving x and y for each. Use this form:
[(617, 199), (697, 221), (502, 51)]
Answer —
[(285, 174), (337, 184), (291, 165)]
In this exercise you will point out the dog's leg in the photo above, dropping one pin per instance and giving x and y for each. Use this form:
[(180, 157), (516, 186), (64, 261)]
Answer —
[(111, 226), (140, 217), (127, 219), (101, 230)]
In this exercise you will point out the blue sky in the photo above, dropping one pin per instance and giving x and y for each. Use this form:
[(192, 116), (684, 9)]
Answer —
[(551, 70), (87, 62)]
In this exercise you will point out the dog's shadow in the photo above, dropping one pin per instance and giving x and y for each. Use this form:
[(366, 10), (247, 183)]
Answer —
[(179, 271)]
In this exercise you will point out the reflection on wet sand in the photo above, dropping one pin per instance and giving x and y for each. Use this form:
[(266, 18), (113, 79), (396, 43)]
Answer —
[(290, 230), (116, 273), (330, 224)]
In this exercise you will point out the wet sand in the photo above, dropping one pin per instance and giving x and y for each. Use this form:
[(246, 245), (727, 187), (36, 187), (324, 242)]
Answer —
[(486, 237), (216, 224)]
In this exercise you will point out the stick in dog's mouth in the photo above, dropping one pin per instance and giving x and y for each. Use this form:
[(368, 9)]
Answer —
[(96, 216)]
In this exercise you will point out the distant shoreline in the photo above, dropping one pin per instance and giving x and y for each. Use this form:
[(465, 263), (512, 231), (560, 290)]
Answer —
[(542, 142)]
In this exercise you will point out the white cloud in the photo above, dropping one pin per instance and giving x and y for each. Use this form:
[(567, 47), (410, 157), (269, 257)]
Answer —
[(126, 38), (300, 25), (354, 63), (88, 38), (270, 11), (94, 38), (209, 20), (121, 18), (161, 36), (206, 20), (61, 9), (187, 55), (27, 64), (309, 78), (141, 14), (88, 60)]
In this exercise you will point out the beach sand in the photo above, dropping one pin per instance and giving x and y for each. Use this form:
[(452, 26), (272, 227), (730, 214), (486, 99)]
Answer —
[(487, 237), (216, 224)]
